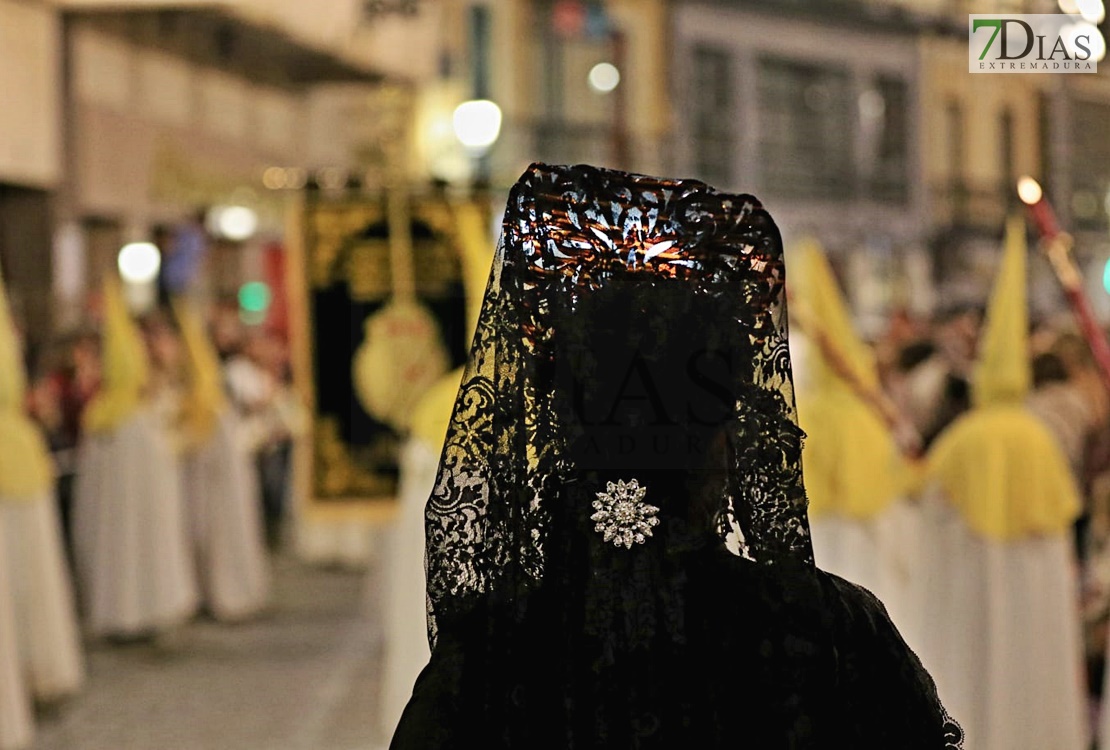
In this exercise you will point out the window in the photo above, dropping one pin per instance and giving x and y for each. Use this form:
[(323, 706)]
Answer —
[(1090, 164), (889, 179), (576, 123), (714, 119), (805, 138)]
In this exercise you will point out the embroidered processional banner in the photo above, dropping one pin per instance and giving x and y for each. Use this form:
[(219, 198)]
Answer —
[(378, 331)]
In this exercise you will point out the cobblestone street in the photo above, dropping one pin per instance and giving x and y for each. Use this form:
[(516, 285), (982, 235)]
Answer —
[(304, 677)]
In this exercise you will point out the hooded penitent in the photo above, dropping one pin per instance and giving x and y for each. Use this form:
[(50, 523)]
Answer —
[(852, 465), (124, 367), (204, 397), (25, 467), (998, 465)]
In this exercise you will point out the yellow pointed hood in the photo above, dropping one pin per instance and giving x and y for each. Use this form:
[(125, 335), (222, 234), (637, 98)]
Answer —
[(998, 465), (433, 412), (124, 367), (204, 398), (26, 471), (1002, 373), (851, 464), (13, 381), (474, 241), (815, 286)]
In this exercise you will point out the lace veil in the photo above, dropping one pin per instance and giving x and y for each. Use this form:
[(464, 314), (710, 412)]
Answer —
[(569, 234)]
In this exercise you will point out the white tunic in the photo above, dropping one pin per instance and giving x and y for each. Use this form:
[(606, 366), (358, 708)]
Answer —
[(130, 540), (405, 617), (46, 622), (1001, 633), (225, 519), (877, 553), (16, 729)]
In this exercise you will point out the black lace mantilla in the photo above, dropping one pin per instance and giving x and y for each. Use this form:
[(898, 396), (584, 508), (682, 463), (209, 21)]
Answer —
[(618, 552), (567, 232)]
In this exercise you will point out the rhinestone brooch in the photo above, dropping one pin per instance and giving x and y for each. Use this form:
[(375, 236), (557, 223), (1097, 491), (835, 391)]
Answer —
[(622, 516)]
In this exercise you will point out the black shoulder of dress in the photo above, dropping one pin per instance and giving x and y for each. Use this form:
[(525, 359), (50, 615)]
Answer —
[(881, 676)]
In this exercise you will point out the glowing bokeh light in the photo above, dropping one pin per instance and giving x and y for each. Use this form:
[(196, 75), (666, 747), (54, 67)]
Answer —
[(274, 178), (477, 123), (1093, 11), (255, 296), (1095, 43), (1029, 190), (138, 262), (604, 77), (236, 223), (1098, 45)]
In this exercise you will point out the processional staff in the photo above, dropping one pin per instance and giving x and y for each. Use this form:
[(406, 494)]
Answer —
[(905, 434), (1057, 245)]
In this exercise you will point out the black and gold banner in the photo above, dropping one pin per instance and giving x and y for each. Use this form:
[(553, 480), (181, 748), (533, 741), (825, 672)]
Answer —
[(369, 350)]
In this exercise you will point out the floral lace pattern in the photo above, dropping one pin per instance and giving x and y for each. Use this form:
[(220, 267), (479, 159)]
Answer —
[(555, 621), (567, 231)]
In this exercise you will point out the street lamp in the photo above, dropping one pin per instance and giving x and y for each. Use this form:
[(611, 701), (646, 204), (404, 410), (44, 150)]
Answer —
[(138, 262), (477, 124), (1029, 190), (235, 223), (1093, 11), (604, 77)]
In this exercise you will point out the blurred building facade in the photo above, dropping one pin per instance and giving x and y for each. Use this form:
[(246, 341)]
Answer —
[(854, 120), (820, 115), (858, 123), (31, 155), (817, 118), (982, 132), (128, 118), (534, 58)]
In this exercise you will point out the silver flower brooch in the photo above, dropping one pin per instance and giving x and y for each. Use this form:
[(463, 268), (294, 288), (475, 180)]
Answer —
[(622, 516)]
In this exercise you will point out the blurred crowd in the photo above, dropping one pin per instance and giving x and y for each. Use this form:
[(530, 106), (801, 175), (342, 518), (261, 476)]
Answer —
[(926, 365), (173, 477), (165, 446), (65, 374), (959, 468)]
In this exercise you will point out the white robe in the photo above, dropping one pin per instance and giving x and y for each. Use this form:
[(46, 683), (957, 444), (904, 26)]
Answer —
[(221, 495), (342, 543), (877, 553), (1001, 633), (16, 728), (129, 531), (46, 622), (405, 617)]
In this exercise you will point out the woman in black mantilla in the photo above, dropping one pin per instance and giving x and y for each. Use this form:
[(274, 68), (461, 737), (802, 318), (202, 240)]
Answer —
[(618, 552)]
